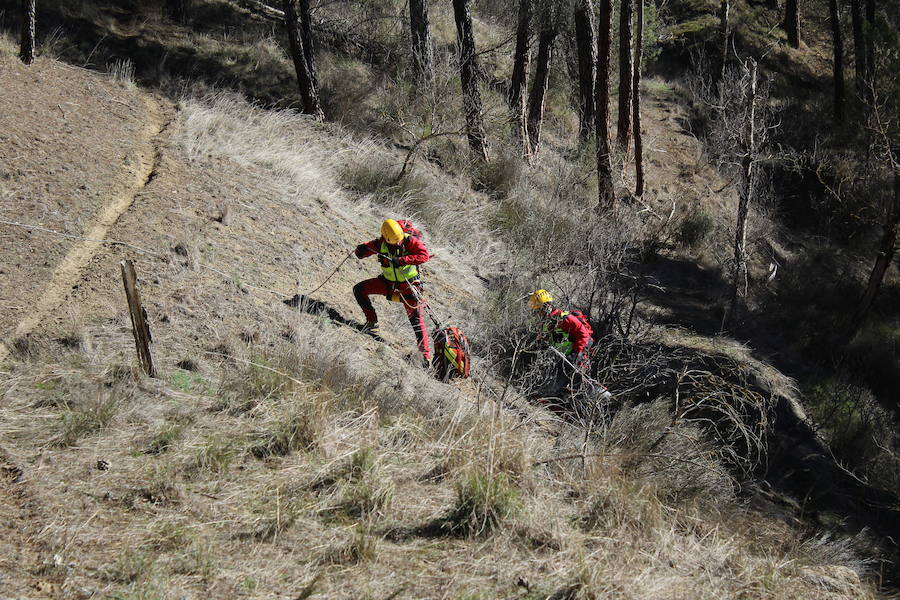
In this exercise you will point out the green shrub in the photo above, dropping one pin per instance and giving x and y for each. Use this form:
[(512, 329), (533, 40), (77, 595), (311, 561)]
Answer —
[(483, 502), (163, 439)]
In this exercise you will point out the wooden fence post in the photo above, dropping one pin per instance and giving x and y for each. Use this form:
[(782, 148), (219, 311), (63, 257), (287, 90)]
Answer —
[(139, 327)]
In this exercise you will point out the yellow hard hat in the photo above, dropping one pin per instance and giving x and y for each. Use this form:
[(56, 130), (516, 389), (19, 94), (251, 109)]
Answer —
[(392, 232), (539, 299)]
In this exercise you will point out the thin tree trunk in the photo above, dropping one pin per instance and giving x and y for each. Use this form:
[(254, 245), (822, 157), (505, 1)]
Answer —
[(468, 69), (308, 91), (423, 54), (520, 78), (606, 190), (859, 47), (623, 132), (541, 77), (26, 48), (724, 10), (838, 61), (870, 50), (587, 58), (748, 175), (636, 102), (792, 22), (309, 44), (886, 251)]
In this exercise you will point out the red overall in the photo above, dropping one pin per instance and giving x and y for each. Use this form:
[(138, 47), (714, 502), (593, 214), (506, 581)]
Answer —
[(414, 253)]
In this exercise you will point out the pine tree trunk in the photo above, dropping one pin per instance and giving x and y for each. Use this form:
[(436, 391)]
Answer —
[(724, 10), (886, 250), (606, 190), (636, 102), (309, 45), (541, 77), (623, 132), (423, 54), (792, 22), (859, 46), (520, 78), (748, 176), (838, 61), (870, 51), (587, 58), (305, 78), (26, 48), (468, 69)]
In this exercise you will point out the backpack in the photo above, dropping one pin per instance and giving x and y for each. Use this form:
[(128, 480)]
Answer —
[(451, 353), (582, 318), (409, 228)]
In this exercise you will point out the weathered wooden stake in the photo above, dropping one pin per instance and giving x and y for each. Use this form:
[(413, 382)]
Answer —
[(139, 327)]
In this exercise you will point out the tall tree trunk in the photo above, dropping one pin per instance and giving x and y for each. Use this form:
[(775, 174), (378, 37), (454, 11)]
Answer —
[(748, 176), (886, 250), (305, 78), (724, 10), (541, 76), (859, 47), (423, 54), (587, 58), (636, 102), (519, 81), (623, 131), (838, 61), (870, 50), (26, 48), (309, 44), (468, 69), (606, 190), (792, 22)]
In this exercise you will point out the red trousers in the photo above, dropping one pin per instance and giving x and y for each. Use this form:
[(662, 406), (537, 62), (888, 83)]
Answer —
[(379, 286)]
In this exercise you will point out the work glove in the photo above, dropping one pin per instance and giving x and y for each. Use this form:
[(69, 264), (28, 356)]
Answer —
[(395, 261), (360, 250)]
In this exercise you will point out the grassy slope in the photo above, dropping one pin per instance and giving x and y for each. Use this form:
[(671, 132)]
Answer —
[(375, 451)]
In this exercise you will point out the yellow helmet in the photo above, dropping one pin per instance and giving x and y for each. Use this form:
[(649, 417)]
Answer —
[(539, 299), (392, 232)]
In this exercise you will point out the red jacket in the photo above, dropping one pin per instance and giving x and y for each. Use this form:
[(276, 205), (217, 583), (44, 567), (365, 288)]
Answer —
[(414, 251), (578, 332)]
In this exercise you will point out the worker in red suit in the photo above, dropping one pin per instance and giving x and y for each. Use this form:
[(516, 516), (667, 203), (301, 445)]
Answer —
[(399, 255), (567, 331)]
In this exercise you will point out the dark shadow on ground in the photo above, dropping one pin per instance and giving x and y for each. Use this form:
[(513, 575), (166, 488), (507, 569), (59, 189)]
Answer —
[(317, 307), (688, 295)]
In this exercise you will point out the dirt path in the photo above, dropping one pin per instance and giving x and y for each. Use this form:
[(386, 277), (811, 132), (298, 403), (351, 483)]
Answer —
[(69, 271)]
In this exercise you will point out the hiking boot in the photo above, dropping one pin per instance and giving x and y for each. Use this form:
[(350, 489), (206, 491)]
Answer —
[(426, 363), (371, 328)]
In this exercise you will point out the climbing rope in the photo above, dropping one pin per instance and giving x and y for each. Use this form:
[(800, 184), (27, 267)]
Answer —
[(333, 273)]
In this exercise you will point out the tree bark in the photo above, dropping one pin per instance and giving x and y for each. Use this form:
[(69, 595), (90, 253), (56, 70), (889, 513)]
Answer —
[(541, 76), (26, 47), (623, 132), (870, 50), (305, 78), (748, 176), (636, 101), (423, 54), (724, 10), (792, 22), (859, 47), (886, 249), (606, 190), (309, 44), (587, 58), (838, 44), (519, 81), (468, 68)]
